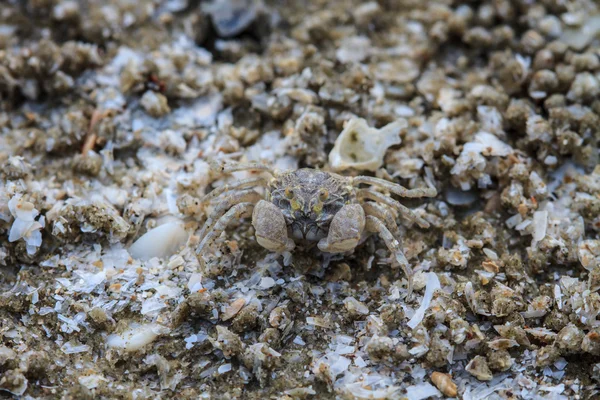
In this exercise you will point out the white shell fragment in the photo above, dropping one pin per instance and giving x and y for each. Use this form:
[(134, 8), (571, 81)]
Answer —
[(195, 282), (588, 252), (19, 388), (491, 145), (433, 284), (25, 226), (362, 147), (162, 241), (355, 306), (580, 37), (231, 17), (540, 223), (354, 49), (232, 309), (466, 132), (423, 390), (134, 338), (91, 381)]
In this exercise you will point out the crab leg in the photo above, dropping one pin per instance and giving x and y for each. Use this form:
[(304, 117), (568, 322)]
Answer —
[(228, 168), (242, 210), (375, 225), (406, 212), (246, 196), (394, 187), (243, 183), (383, 213)]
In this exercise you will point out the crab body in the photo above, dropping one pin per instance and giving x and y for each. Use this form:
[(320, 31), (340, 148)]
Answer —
[(309, 207), (308, 200)]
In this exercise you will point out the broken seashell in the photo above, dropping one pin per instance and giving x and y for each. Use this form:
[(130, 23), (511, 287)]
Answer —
[(233, 308), (444, 383), (135, 337), (162, 241), (362, 147)]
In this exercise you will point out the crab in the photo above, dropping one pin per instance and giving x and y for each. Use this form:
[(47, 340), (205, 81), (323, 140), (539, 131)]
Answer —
[(308, 207)]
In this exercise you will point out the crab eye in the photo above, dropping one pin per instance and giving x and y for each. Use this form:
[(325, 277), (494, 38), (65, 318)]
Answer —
[(323, 194), (289, 193)]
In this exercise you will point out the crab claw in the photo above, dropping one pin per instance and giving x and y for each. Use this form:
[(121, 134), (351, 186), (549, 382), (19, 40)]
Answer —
[(345, 230), (271, 229)]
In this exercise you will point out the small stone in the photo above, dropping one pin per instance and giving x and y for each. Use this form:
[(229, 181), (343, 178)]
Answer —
[(246, 319), (270, 336), (546, 356), (6, 355), (532, 41), (569, 339), (89, 164), (100, 319), (585, 87), (339, 272), (500, 360), (228, 342), (16, 168), (380, 348), (280, 318), (591, 342), (13, 381), (355, 307), (478, 367), (440, 351), (365, 12), (155, 104)]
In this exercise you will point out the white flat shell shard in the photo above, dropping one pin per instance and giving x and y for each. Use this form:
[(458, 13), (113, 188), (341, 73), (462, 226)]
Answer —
[(134, 338), (362, 147), (21, 209), (540, 223), (580, 37), (91, 381), (421, 391), (433, 284), (492, 146), (19, 229), (162, 241)]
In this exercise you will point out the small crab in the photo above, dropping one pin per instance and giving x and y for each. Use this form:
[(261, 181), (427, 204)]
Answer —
[(309, 207)]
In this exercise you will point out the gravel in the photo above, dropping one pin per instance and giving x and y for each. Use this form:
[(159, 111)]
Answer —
[(112, 114)]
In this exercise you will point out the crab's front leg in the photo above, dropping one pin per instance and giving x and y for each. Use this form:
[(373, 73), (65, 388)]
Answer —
[(270, 227), (375, 225), (242, 210), (345, 230)]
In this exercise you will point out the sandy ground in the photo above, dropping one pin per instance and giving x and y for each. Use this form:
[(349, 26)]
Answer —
[(114, 117)]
